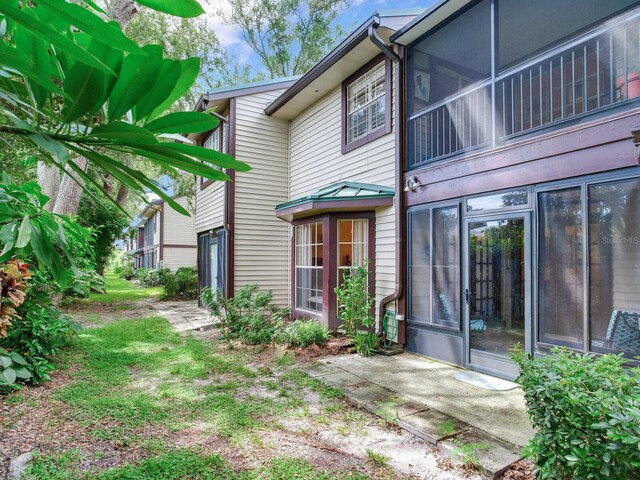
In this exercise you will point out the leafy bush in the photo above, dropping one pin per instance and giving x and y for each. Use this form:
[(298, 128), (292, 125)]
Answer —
[(12, 369), (40, 330), (302, 333), (354, 309), (249, 316), (586, 412), (182, 285), (149, 277), (127, 272)]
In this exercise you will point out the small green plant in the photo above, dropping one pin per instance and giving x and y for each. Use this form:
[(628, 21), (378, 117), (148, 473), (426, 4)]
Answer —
[(386, 412), (13, 369), (447, 428), (377, 459), (127, 272), (286, 359), (366, 343), (152, 278), (467, 453), (302, 333), (354, 309), (249, 316), (586, 414)]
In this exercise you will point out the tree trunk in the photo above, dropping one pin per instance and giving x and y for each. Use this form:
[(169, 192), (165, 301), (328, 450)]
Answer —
[(49, 181), (123, 194), (122, 11), (70, 191)]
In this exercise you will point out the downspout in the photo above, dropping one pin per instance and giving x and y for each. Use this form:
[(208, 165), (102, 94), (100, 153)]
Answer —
[(399, 155)]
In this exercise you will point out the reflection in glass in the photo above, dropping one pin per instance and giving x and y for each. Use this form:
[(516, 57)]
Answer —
[(560, 267), (497, 285), (513, 198), (614, 267), (434, 267)]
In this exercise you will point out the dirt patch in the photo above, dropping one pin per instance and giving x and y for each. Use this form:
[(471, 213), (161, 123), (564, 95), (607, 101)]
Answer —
[(97, 314), (522, 470)]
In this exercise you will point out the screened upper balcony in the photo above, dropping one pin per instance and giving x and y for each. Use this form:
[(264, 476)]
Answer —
[(506, 68)]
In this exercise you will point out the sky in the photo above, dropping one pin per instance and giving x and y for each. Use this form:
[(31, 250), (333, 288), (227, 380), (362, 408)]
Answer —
[(350, 18)]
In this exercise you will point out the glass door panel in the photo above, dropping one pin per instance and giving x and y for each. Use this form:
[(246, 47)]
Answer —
[(496, 295)]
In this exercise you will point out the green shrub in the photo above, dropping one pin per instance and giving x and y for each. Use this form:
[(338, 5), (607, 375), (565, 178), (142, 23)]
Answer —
[(249, 316), (40, 330), (149, 277), (12, 370), (182, 285), (302, 333), (586, 413), (127, 272), (354, 309)]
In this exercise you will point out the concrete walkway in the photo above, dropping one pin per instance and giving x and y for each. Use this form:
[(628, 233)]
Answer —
[(185, 316), (428, 401)]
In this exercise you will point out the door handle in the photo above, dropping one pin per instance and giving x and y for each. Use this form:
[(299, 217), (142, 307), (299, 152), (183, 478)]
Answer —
[(467, 296)]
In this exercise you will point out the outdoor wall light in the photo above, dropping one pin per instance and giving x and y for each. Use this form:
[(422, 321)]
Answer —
[(636, 139), (412, 184)]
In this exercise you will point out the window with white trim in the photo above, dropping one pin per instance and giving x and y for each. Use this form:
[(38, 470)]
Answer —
[(366, 103), (308, 265), (353, 246)]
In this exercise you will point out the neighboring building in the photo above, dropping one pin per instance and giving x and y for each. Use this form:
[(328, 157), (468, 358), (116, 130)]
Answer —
[(165, 238), (342, 146), (240, 241), (523, 185)]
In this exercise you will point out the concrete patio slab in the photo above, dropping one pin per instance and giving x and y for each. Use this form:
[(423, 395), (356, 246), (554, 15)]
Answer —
[(431, 383), (493, 455), (378, 400), (185, 316), (429, 402), (432, 425)]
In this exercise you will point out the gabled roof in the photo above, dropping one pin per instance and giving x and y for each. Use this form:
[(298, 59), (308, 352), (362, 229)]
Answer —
[(219, 97), (339, 196), (430, 18), (352, 53)]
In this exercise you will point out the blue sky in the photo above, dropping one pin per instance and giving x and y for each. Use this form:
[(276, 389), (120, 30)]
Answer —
[(358, 12)]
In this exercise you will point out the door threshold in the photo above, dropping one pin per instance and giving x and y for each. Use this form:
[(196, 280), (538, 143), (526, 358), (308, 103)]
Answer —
[(486, 382)]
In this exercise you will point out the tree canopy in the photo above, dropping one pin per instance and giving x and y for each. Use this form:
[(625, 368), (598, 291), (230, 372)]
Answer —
[(289, 36)]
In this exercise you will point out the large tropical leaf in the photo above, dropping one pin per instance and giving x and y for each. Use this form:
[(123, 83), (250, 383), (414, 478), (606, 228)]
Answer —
[(125, 133), (15, 60), (179, 8), (138, 72), (48, 34), (113, 59), (161, 89), (190, 68), (83, 19), (210, 156), (183, 122), (36, 50), (85, 86)]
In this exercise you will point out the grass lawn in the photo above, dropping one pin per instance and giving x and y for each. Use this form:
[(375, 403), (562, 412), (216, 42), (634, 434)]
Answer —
[(134, 400), (121, 290)]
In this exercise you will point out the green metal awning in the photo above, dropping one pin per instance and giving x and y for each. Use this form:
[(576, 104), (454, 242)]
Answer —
[(338, 197)]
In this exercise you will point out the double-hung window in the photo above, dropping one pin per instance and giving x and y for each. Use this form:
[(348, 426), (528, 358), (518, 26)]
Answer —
[(308, 264), (366, 104)]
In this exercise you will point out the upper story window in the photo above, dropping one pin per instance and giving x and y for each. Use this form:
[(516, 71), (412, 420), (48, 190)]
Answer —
[(366, 104), (215, 141), (491, 74)]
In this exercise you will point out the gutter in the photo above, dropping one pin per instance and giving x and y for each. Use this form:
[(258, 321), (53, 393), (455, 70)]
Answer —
[(399, 156), (229, 210)]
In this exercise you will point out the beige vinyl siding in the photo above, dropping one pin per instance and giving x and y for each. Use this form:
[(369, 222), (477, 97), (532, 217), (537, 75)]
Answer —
[(316, 161), (626, 277), (261, 239), (179, 229), (175, 258)]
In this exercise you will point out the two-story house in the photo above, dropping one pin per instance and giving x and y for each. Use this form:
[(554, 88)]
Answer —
[(165, 238), (522, 185), (343, 137), (240, 241)]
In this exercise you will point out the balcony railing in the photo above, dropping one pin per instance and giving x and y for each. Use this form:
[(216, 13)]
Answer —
[(582, 77)]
